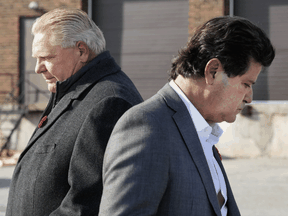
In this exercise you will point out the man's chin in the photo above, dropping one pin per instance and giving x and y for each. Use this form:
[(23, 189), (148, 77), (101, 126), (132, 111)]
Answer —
[(231, 119), (52, 87)]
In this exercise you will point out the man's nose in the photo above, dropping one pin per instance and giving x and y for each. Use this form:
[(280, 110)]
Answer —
[(249, 96), (39, 67)]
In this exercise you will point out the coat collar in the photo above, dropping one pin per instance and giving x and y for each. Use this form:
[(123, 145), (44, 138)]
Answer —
[(101, 66), (187, 129)]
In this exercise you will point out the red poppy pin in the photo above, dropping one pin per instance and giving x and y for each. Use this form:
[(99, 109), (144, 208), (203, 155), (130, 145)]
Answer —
[(42, 122), (219, 153)]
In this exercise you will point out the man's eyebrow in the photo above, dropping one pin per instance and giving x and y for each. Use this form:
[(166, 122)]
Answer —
[(252, 82), (42, 56)]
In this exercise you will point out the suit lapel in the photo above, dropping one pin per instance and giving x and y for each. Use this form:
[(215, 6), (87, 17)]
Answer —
[(231, 203), (187, 129)]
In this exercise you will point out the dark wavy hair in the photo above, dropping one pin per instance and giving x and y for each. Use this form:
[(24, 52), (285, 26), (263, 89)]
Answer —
[(233, 40)]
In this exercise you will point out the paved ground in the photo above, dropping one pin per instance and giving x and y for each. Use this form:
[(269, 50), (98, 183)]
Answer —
[(260, 185), (5, 178)]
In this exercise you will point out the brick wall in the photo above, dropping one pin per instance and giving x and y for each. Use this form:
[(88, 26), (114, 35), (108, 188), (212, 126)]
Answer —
[(10, 12), (201, 11)]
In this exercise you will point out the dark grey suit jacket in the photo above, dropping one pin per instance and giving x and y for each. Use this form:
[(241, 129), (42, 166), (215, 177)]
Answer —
[(154, 164), (60, 171)]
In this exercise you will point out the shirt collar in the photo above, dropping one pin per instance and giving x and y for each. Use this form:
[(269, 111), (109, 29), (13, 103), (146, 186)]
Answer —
[(202, 127)]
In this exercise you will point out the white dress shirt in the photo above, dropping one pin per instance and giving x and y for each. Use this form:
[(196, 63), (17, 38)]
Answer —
[(208, 135)]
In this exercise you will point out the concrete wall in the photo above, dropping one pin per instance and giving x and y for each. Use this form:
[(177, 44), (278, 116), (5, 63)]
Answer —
[(22, 134), (27, 127), (260, 131)]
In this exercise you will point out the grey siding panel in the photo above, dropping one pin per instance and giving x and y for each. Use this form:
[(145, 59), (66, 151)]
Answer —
[(143, 14), (143, 36), (147, 14), (278, 76), (272, 17), (153, 40)]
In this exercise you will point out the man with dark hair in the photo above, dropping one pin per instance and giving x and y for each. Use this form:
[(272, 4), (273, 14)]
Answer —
[(60, 171), (161, 158)]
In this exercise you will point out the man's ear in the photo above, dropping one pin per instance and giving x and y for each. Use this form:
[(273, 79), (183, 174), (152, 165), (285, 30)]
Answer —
[(84, 51), (213, 66)]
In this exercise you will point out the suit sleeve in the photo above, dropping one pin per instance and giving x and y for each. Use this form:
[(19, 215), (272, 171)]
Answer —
[(85, 169), (136, 166)]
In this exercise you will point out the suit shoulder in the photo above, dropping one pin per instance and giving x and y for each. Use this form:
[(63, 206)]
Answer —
[(155, 108)]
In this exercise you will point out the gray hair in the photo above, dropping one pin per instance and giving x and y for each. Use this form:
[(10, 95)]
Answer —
[(68, 26)]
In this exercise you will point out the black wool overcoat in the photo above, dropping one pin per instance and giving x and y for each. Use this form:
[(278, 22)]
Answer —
[(60, 171)]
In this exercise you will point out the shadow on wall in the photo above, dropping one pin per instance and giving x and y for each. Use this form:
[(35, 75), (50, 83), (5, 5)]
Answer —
[(250, 113)]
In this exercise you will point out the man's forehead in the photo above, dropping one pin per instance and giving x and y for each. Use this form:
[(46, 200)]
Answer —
[(40, 38), (41, 45)]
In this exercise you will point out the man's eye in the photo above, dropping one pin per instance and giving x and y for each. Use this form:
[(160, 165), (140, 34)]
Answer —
[(247, 85), (47, 57)]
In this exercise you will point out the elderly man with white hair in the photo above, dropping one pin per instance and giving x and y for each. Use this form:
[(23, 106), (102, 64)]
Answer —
[(60, 171)]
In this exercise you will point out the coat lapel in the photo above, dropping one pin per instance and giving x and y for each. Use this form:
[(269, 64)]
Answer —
[(187, 129)]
